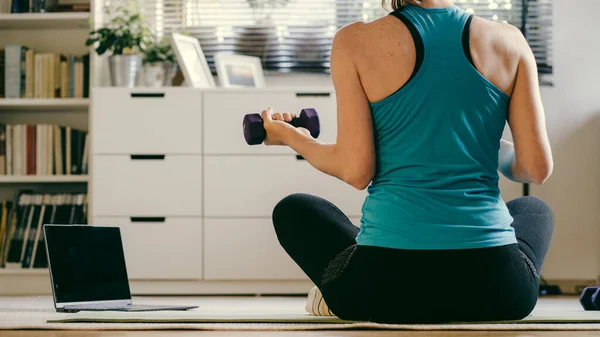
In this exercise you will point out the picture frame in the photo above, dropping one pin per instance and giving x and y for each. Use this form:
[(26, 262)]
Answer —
[(192, 61), (239, 71)]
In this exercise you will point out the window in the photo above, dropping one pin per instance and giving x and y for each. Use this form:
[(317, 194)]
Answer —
[(295, 35)]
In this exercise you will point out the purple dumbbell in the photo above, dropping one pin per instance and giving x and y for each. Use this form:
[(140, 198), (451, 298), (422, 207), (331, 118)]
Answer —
[(255, 133)]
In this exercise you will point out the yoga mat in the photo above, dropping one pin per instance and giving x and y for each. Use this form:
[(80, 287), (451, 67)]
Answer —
[(202, 316)]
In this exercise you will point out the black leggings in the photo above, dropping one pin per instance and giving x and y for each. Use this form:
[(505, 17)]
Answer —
[(415, 286)]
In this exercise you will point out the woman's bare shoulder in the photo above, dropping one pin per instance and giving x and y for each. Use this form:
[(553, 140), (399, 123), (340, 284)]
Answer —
[(501, 36), (365, 38)]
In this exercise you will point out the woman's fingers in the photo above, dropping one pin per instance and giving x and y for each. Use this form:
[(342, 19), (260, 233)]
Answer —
[(278, 116)]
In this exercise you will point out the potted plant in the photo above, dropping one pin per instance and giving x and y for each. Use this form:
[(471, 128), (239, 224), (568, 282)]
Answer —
[(160, 63), (123, 37)]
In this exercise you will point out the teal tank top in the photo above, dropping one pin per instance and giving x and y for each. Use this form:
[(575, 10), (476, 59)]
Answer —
[(437, 140)]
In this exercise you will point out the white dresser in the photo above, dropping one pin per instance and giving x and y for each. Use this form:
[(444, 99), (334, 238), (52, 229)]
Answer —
[(171, 168)]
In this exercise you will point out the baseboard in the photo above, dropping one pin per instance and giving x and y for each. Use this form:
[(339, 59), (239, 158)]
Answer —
[(39, 284), (572, 287)]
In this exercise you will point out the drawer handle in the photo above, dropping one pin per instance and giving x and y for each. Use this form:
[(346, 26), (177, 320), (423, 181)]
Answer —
[(299, 157), (147, 94), (313, 94), (147, 219), (147, 157)]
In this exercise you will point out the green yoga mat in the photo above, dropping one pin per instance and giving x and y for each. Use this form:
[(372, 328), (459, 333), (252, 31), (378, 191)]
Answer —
[(205, 316)]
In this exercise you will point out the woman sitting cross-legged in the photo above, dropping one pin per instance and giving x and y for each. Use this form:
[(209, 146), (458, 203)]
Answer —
[(423, 95)]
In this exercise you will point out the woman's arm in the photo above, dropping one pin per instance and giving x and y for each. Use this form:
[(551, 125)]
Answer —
[(352, 157), (532, 157)]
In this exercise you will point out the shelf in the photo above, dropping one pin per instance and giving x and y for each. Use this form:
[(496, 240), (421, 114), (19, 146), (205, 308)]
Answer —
[(24, 272), (44, 179), (45, 20), (44, 104)]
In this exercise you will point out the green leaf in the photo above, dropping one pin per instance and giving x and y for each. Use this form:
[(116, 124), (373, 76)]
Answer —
[(101, 49)]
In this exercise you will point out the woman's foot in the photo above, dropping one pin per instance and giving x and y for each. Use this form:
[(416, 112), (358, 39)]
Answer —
[(315, 304)]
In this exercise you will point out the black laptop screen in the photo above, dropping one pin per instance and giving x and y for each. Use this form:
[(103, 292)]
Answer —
[(87, 263)]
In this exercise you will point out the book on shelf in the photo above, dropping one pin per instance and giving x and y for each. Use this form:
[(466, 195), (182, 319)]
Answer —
[(1, 73), (21, 225), (43, 150), (31, 74)]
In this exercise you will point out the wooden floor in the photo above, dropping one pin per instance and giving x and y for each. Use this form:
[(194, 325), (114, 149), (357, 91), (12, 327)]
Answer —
[(293, 334)]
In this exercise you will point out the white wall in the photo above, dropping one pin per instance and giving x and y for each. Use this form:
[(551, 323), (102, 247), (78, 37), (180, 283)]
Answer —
[(573, 119)]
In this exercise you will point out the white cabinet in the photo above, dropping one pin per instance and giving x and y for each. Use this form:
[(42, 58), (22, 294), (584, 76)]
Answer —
[(251, 186), (160, 248), (170, 167)]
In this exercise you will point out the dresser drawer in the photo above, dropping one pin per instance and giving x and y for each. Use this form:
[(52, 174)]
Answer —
[(164, 121), (155, 248), (224, 113), (245, 249), (253, 185), (146, 185)]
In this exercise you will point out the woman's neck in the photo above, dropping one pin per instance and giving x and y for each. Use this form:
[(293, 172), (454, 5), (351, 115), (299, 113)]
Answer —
[(434, 3)]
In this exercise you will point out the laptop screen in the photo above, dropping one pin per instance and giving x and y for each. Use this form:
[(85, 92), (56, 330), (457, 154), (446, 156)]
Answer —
[(87, 263)]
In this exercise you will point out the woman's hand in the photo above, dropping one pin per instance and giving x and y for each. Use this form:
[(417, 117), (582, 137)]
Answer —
[(278, 128)]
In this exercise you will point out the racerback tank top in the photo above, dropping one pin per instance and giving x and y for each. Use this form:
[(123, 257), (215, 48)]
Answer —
[(437, 140)]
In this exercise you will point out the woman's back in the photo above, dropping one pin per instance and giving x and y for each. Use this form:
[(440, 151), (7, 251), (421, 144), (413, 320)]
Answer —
[(437, 137)]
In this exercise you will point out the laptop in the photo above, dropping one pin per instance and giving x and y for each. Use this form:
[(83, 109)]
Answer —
[(88, 271)]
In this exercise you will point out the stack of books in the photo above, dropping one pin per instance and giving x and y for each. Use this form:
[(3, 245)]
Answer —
[(30, 74), (21, 225), (43, 150)]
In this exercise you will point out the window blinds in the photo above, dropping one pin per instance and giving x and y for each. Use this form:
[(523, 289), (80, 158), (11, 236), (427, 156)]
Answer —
[(296, 35), (539, 32)]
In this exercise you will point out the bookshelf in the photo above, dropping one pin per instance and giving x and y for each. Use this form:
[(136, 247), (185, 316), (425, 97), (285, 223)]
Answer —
[(58, 33), (41, 104), (44, 179), (45, 20)]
